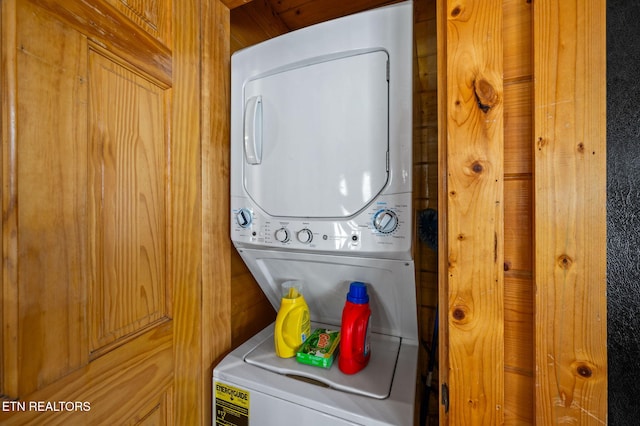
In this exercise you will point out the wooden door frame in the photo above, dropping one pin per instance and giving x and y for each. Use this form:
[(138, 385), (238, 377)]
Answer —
[(212, 300)]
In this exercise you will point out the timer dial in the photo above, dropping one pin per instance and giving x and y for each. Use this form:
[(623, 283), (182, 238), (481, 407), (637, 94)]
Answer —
[(385, 221), (305, 236), (243, 218), (282, 235)]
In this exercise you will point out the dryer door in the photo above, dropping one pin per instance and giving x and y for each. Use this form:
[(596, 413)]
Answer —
[(316, 136)]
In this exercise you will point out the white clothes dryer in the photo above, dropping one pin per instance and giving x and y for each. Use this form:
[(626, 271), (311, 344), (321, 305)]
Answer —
[(321, 191)]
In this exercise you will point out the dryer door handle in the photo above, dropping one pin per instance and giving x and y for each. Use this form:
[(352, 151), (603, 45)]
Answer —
[(253, 130)]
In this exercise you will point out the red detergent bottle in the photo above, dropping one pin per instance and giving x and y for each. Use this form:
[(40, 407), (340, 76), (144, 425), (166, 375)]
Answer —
[(354, 334)]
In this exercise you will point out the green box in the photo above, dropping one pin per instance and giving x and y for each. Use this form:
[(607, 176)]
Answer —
[(320, 348)]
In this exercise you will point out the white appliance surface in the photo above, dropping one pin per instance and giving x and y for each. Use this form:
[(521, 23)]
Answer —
[(384, 354), (321, 182), (326, 278), (305, 125), (321, 137), (302, 397)]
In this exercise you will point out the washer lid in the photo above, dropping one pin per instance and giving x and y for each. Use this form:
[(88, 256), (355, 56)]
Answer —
[(316, 135)]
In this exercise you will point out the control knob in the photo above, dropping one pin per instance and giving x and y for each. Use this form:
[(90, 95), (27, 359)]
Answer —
[(243, 218), (385, 221), (282, 235), (305, 236)]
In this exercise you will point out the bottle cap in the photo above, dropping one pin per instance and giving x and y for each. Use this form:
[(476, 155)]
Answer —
[(291, 289), (358, 293)]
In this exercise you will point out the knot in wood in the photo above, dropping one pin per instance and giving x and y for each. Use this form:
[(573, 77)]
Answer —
[(565, 262), (477, 167), (461, 314), (584, 371), (486, 94), (458, 314)]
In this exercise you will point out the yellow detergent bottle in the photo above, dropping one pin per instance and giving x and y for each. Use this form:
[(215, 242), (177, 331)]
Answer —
[(293, 325)]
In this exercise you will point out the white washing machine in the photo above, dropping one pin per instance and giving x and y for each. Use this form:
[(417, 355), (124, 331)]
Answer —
[(321, 170)]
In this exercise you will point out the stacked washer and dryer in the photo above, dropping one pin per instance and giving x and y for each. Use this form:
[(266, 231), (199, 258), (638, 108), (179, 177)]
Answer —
[(321, 192)]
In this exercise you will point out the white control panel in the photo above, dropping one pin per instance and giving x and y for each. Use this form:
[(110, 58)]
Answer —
[(384, 227)]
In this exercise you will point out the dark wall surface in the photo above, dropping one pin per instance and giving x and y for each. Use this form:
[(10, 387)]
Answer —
[(623, 210)]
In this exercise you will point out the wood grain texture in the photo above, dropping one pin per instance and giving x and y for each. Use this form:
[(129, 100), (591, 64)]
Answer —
[(297, 14), (517, 40), (50, 228), (103, 24), (232, 4), (154, 16), (254, 23), (127, 202), (123, 385), (186, 215), (9, 371), (570, 216), (216, 245), (474, 169), (518, 213), (443, 213), (96, 160)]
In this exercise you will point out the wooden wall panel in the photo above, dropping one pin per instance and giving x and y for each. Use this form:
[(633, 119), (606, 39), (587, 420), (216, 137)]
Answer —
[(254, 23), (518, 126), (425, 193), (301, 13), (518, 204), (517, 40), (570, 215), (518, 227), (518, 317), (128, 201)]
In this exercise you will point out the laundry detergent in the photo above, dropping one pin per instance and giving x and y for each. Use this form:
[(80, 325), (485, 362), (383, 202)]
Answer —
[(354, 334), (293, 324)]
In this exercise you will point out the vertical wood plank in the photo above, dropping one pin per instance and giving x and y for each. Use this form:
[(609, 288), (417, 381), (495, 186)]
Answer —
[(474, 188), (8, 127), (216, 244), (570, 217), (186, 215), (443, 213)]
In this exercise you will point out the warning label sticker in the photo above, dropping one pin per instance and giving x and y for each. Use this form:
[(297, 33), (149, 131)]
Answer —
[(232, 406)]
